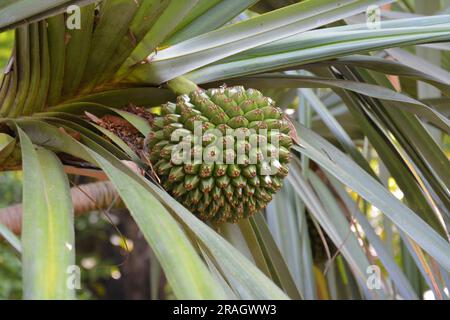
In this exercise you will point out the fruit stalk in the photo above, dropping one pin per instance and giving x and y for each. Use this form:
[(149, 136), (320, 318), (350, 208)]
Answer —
[(182, 85)]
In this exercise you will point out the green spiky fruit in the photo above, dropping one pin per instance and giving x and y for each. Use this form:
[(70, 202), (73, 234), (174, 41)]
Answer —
[(244, 149)]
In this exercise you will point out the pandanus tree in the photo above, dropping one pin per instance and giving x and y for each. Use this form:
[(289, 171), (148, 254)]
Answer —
[(96, 88)]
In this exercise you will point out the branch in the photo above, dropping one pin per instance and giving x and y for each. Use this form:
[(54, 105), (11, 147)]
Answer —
[(85, 198)]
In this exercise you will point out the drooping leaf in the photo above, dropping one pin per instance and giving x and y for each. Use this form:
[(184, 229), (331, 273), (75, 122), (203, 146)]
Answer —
[(47, 225), (345, 170), (213, 46)]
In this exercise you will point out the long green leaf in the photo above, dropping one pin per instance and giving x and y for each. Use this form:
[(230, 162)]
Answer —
[(57, 53), (394, 68), (215, 17), (47, 225), (418, 144), (163, 26), (334, 223), (338, 131), (345, 170), (112, 26), (258, 285), (253, 283), (401, 100), (143, 20), (18, 12), (393, 269), (274, 257), (12, 239), (213, 46), (7, 144), (78, 44), (323, 44), (186, 273), (145, 96), (390, 156)]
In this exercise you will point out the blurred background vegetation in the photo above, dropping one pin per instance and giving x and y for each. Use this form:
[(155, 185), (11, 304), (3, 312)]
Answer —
[(10, 192), (6, 41)]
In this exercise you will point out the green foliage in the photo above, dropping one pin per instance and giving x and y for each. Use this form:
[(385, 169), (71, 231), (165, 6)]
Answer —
[(6, 42), (10, 266), (10, 273), (369, 170), (10, 188)]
